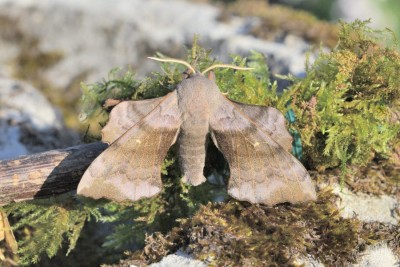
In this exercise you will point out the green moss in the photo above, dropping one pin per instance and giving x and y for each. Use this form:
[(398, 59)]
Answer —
[(345, 104), (42, 226), (239, 234)]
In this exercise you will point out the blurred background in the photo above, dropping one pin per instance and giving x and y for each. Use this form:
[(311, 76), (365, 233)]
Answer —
[(383, 13)]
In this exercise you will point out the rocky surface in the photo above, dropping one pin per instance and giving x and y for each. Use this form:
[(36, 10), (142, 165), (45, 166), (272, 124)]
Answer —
[(367, 208), (28, 122), (377, 256), (179, 259)]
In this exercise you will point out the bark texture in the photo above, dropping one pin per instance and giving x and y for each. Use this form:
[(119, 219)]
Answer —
[(45, 174)]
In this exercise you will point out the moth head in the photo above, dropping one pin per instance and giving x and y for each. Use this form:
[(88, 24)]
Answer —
[(191, 70)]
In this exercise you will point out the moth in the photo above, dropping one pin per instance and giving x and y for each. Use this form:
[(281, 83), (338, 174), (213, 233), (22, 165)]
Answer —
[(252, 138)]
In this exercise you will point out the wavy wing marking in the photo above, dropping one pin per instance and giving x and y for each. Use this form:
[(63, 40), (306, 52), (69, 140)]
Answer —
[(130, 168), (262, 170), (270, 120), (126, 114)]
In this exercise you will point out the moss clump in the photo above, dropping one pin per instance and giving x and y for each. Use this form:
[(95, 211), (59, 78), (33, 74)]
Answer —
[(377, 232), (345, 105), (377, 178), (122, 86), (239, 234)]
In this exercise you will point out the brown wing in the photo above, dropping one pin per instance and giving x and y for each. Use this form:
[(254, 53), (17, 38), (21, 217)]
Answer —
[(126, 114), (262, 170), (270, 120), (130, 168)]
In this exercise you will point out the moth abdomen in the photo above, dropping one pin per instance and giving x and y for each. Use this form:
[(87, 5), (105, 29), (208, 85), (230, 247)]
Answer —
[(192, 154)]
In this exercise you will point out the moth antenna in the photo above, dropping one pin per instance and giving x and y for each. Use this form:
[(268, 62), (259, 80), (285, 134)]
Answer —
[(173, 60), (225, 66)]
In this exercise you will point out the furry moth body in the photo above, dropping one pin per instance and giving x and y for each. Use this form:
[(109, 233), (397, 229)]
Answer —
[(253, 139)]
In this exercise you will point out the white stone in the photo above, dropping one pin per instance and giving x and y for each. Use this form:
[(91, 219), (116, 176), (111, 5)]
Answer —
[(20, 102), (24, 111), (179, 259), (378, 256), (10, 146), (367, 208)]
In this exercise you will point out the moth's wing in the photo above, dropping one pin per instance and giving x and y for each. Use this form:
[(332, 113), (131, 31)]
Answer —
[(270, 120), (126, 114), (130, 168), (261, 170)]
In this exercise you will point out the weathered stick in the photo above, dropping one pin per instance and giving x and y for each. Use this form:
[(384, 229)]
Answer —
[(45, 174)]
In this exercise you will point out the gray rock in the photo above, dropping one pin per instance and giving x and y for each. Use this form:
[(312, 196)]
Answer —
[(367, 208), (378, 256), (28, 123), (179, 259)]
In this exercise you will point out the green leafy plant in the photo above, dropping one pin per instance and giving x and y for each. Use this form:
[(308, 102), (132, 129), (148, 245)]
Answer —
[(344, 106), (42, 225)]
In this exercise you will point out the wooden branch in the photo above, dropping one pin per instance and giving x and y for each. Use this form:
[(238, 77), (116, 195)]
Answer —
[(45, 174)]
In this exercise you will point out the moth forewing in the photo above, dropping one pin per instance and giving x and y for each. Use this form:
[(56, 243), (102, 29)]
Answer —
[(130, 168), (125, 115)]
